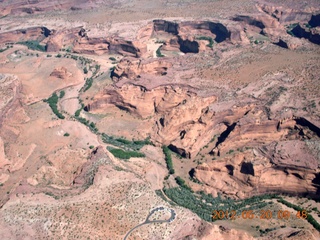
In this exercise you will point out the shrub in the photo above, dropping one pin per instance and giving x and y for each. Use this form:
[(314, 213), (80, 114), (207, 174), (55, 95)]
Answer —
[(112, 59), (168, 159), (85, 70), (83, 121), (52, 101), (230, 151), (3, 49), (119, 153), (77, 113), (310, 219), (182, 183), (124, 143), (91, 147), (158, 52), (66, 134), (88, 84), (62, 93), (93, 127)]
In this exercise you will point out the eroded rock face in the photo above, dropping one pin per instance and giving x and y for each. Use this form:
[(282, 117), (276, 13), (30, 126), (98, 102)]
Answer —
[(61, 73), (10, 88), (313, 35), (34, 33), (315, 20), (180, 115), (285, 14), (251, 173), (132, 68), (185, 32), (65, 165)]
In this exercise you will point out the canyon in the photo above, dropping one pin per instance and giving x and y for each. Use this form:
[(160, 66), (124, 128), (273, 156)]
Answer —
[(109, 110)]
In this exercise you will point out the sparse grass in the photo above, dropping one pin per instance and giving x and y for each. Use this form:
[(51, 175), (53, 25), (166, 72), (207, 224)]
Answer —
[(211, 42), (34, 45)]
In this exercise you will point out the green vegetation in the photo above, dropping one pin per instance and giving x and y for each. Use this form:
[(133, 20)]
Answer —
[(62, 93), (85, 70), (77, 113), (135, 145), (66, 134), (4, 49), (93, 127), (49, 55), (88, 84), (182, 183), (310, 219), (290, 27), (158, 52), (307, 25), (275, 95), (203, 204), (58, 55), (230, 151), (52, 101), (168, 158), (160, 194), (91, 146), (211, 42), (119, 153), (51, 195), (34, 45), (112, 59)]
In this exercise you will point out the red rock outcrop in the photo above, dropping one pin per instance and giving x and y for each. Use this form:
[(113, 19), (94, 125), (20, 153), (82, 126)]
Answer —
[(61, 73), (187, 35), (285, 14), (34, 33), (132, 68), (251, 173), (180, 115)]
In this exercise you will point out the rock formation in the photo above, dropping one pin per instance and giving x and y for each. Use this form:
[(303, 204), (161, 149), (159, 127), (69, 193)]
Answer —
[(61, 73)]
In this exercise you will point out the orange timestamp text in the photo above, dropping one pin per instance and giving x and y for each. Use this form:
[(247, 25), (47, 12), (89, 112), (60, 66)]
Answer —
[(262, 214)]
